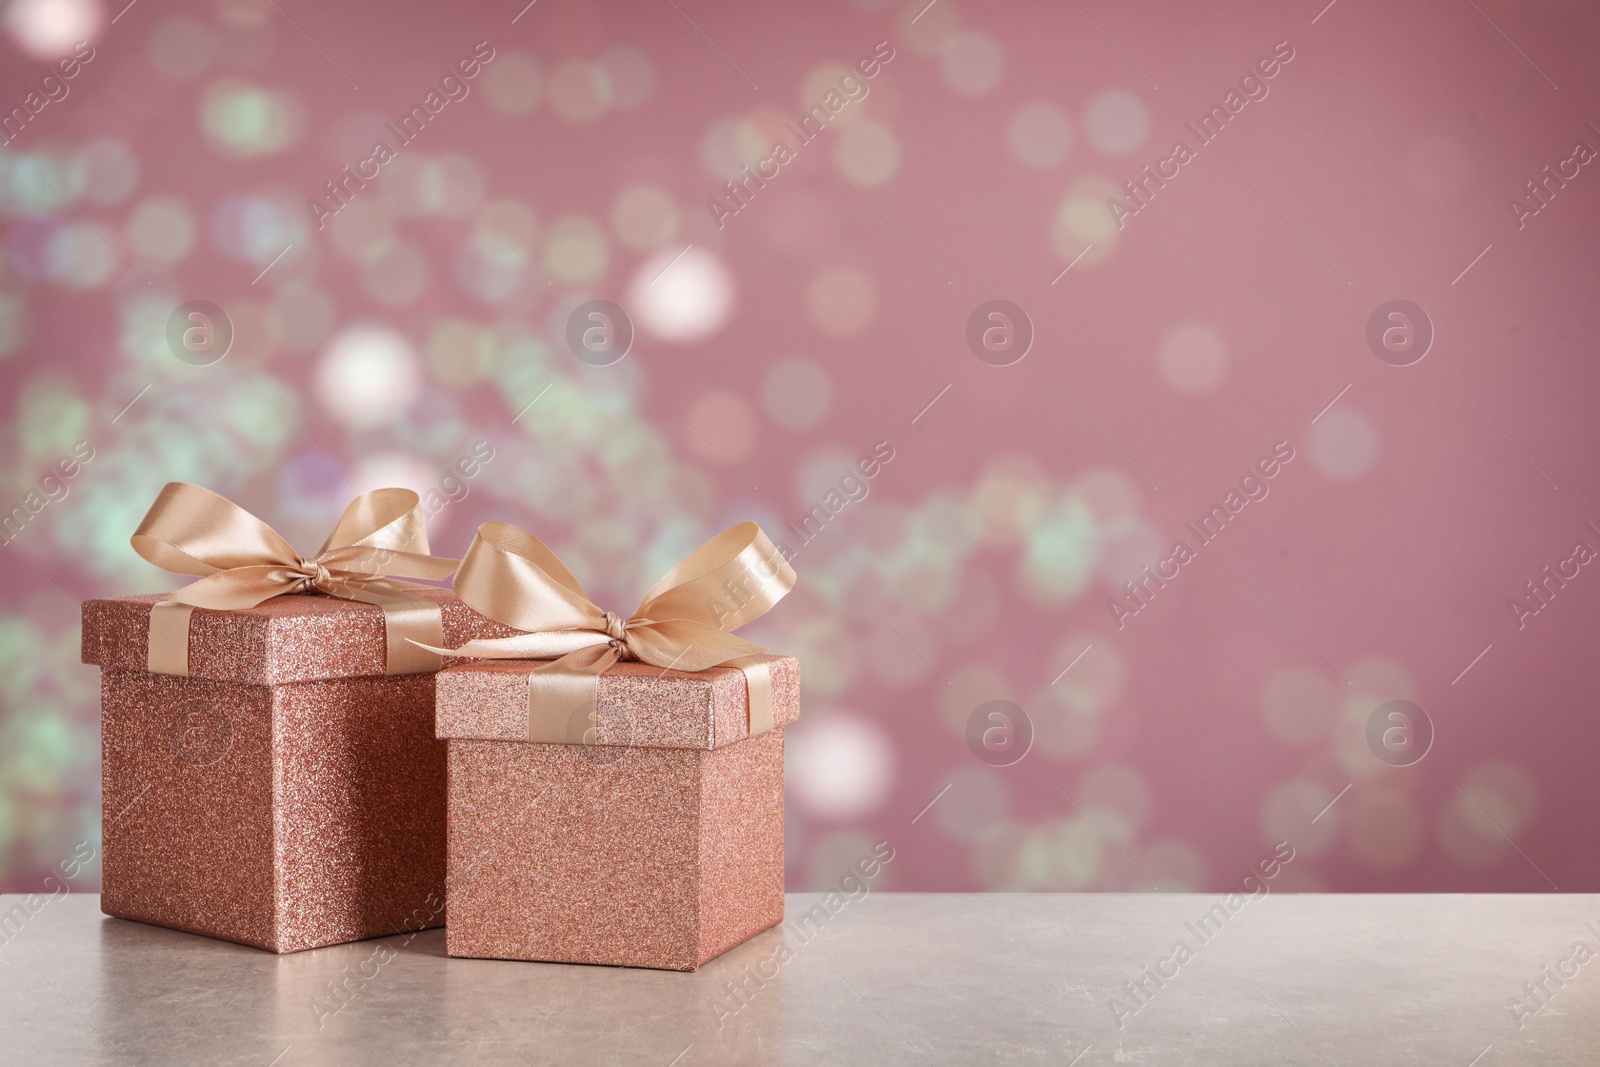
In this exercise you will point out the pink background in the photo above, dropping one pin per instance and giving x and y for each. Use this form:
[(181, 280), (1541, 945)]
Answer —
[(822, 319)]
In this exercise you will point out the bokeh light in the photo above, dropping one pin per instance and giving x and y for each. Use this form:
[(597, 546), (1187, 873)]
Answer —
[(1040, 135), (797, 393), (840, 766), (682, 297), (1343, 443), (367, 375), (841, 301), (1116, 122), (1192, 358), (972, 63), (47, 29)]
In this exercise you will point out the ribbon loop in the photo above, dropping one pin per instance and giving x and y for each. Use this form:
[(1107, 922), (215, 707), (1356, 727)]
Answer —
[(241, 561), (683, 623)]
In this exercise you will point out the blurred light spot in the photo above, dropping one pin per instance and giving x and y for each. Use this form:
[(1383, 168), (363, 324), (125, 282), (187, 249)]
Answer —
[(688, 303), (108, 168), (1112, 497), (822, 80), (398, 276), (1386, 829), (972, 63), (1343, 443), (181, 48), (162, 228), (797, 393), (460, 353), (1287, 811), (1135, 545), (819, 473), (578, 92), (1299, 705), (51, 417), (867, 153), (841, 301), (840, 767), (1098, 676), (1192, 358), (78, 256), (1083, 219), (255, 230), (733, 143), (1062, 855), (1008, 500), (576, 249), (491, 265), (244, 14), (1040, 135), (513, 83), (630, 75), (645, 218), (243, 120), (728, 422), (975, 803), (1116, 122), (1062, 552), (489, 268), (301, 316), (47, 29), (367, 376)]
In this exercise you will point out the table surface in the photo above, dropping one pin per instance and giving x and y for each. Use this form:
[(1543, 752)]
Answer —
[(884, 979)]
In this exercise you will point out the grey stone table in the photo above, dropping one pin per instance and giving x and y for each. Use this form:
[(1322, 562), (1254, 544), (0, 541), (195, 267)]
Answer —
[(1460, 981)]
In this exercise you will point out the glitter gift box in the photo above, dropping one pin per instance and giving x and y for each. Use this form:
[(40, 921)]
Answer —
[(660, 844), (286, 794)]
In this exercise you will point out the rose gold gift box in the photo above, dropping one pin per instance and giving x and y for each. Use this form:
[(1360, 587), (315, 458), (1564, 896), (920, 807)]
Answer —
[(287, 794), (659, 845)]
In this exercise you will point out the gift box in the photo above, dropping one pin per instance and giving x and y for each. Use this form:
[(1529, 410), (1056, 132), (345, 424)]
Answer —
[(269, 766), (656, 841), (286, 794)]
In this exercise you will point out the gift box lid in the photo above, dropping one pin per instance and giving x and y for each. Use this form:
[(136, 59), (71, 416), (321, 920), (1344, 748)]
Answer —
[(301, 637), (638, 705)]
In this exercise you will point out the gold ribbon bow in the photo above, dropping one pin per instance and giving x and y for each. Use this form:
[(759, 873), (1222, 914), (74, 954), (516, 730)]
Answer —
[(683, 622), (242, 561)]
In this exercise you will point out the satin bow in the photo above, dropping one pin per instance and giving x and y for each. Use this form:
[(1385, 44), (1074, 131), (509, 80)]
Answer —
[(683, 622), (241, 561)]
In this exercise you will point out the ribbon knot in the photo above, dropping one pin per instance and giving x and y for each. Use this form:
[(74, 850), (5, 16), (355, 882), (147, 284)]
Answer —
[(314, 576), (617, 630), (241, 561), (683, 622)]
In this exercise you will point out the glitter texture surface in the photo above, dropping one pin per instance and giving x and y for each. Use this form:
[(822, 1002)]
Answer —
[(636, 857), (284, 817), (297, 638), (638, 704), (661, 847), (289, 815)]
